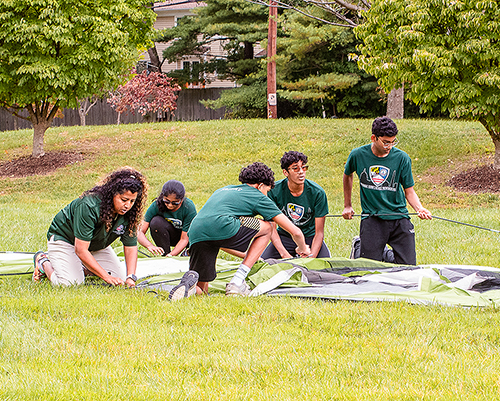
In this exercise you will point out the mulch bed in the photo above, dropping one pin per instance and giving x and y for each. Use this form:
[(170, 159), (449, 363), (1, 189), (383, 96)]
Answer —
[(49, 162), (476, 180)]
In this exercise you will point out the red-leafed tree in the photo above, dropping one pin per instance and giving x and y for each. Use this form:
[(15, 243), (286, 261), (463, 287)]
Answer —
[(146, 92)]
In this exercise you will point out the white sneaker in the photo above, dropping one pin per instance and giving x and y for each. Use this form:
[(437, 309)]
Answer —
[(234, 290), (186, 287)]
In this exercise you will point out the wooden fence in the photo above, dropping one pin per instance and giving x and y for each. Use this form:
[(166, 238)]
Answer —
[(189, 108)]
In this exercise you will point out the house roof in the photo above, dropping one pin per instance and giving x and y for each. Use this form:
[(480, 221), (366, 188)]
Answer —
[(178, 5)]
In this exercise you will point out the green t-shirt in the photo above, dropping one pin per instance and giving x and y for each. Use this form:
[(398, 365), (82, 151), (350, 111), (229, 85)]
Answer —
[(80, 219), (382, 180), (219, 217), (180, 219), (301, 210)]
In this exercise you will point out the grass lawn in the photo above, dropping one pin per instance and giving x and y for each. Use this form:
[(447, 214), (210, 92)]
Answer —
[(97, 343)]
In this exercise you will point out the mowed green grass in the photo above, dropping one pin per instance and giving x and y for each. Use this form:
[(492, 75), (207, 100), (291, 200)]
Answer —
[(97, 343)]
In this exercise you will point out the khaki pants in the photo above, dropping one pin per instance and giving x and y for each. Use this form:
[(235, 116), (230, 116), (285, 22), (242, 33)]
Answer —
[(68, 268)]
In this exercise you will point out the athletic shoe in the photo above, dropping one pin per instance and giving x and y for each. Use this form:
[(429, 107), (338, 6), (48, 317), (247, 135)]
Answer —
[(355, 248), (234, 290), (38, 260), (186, 287)]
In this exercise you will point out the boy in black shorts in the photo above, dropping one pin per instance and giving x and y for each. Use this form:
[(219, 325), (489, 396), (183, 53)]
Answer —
[(227, 220)]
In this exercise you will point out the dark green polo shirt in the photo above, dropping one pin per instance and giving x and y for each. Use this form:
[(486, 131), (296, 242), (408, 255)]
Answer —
[(80, 219)]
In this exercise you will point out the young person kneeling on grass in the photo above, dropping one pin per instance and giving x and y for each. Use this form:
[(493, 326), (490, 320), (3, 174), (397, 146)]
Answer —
[(227, 221), (168, 219), (80, 236), (304, 203)]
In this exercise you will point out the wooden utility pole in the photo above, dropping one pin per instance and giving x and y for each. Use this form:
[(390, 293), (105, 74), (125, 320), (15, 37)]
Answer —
[(272, 100)]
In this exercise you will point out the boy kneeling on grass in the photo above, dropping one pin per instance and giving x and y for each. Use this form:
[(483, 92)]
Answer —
[(227, 221)]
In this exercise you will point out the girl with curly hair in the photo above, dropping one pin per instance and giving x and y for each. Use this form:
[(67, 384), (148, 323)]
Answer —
[(168, 219), (81, 234), (227, 221)]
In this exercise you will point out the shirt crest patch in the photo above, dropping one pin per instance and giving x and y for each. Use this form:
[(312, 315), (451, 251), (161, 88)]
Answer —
[(120, 230), (175, 222), (378, 174), (296, 212)]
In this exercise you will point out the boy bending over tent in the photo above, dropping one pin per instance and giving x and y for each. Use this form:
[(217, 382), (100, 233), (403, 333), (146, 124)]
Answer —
[(227, 220)]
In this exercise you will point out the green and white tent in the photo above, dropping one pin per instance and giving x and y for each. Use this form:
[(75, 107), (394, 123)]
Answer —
[(326, 278)]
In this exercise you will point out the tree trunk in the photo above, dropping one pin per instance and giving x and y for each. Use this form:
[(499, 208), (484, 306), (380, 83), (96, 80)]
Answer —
[(85, 106), (82, 112), (496, 160), (154, 59), (41, 115), (493, 128), (248, 52), (38, 135), (395, 103)]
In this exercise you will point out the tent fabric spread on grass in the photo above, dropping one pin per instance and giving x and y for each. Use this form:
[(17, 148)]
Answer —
[(327, 278)]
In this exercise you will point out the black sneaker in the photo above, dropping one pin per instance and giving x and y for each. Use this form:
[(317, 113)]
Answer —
[(186, 287), (355, 248)]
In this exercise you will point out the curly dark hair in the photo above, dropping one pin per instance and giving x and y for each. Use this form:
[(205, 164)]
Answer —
[(292, 157), (170, 187), (257, 173), (384, 126), (118, 182)]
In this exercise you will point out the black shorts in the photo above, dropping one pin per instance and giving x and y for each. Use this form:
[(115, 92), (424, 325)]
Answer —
[(375, 233), (203, 255), (272, 253)]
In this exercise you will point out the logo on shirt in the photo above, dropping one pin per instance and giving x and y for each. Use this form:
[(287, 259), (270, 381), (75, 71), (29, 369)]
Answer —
[(296, 212), (175, 222), (378, 174), (120, 230)]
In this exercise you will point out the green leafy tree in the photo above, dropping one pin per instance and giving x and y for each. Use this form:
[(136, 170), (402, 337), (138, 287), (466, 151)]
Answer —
[(247, 101), (448, 50), (54, 52)]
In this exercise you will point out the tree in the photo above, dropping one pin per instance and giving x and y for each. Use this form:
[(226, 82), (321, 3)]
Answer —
[(448, 50), (54, 52), (348, 14), (84, 106), (345, 13), (237, 23), (146, 92), (316, 71)]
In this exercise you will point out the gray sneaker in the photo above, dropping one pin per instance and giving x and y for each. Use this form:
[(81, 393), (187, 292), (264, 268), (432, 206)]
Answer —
[(186, 287), (234, 290), (356, 248)]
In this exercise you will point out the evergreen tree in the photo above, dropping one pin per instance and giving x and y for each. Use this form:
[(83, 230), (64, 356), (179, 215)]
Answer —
[(237, 23), (317, 73)]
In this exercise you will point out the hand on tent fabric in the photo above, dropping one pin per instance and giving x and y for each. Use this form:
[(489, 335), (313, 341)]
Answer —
[(303, 253), (156, 250)]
